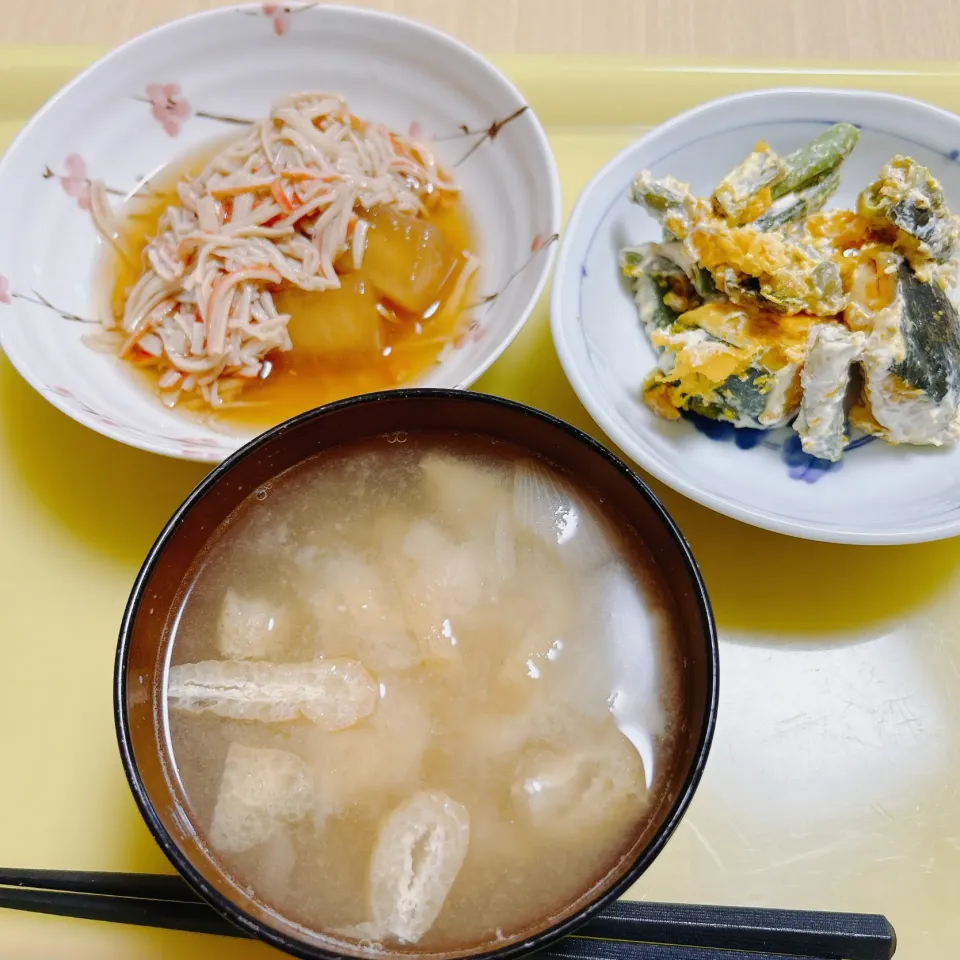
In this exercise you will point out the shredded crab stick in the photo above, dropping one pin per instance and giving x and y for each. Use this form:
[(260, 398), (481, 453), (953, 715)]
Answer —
[(277, 207)]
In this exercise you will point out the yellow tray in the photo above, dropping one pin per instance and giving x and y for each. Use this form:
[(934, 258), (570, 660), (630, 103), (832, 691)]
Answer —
[(834, 781)]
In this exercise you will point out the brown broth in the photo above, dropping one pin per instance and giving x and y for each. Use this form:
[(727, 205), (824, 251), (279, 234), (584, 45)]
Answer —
[(300, 380), (468, 720)]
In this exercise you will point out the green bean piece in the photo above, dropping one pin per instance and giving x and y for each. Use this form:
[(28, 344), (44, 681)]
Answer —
[(732, 196), (772, 299), (828, 284), (738, 287), (823, 297), (799, 204), (703, 282), (746, 291), (909, 197), (820, 156), (632, 261), (648, 258), (653, 278), (658, 196), (658, 313)]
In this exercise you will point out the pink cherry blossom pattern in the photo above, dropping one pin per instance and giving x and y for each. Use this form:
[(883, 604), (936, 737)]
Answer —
[(168, 107), (540, 240), (5, 290), (416, 130), (78, 403), (281, 17), (476, 331), (76, 181)]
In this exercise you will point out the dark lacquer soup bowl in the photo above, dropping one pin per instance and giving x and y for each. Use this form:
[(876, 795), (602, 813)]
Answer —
[(150, 624)]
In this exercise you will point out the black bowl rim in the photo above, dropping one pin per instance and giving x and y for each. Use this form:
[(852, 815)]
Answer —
[(262, 931)]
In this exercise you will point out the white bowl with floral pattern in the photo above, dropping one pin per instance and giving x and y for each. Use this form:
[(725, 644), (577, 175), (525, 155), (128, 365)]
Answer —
[(165, 94)]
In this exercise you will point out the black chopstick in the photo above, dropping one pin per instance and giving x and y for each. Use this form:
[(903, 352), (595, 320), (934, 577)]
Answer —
[(168, 901), (150, 886), (198, 918), (167, 914), (804, 933), (574, 948)]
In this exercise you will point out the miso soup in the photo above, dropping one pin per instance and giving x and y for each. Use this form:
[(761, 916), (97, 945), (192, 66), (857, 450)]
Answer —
[(422, 692)]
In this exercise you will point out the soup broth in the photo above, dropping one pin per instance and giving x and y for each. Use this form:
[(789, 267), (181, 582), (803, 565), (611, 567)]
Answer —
[(422, 693)]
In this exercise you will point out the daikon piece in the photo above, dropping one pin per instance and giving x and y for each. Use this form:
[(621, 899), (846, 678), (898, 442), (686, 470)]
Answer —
[(468, 497), (490, 743), (504, 547), (542, 503), (334, 323), (548, 506), (444, 583), (375, 760), (407, 259), (570, 789), (249, 627), (358, 613), (551, 784), (449, 574), (569, 670), (277, 859), (634, 632), (388, 649), (349, 598), (334, 694), (539, 652), (261, 789), (419, 852), (547, 616)]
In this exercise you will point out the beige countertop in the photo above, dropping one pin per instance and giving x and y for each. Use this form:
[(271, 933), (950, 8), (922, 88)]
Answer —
[(805, 29)]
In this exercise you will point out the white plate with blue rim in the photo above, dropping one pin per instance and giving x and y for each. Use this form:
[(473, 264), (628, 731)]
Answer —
[(877, 493)]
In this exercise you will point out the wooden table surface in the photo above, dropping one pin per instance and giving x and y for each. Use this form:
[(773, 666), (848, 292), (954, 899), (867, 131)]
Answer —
[(806, 29)]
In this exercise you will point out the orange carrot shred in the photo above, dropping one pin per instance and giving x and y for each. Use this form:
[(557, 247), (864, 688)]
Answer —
[(281, 197), (293, 174), (399, 148)]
